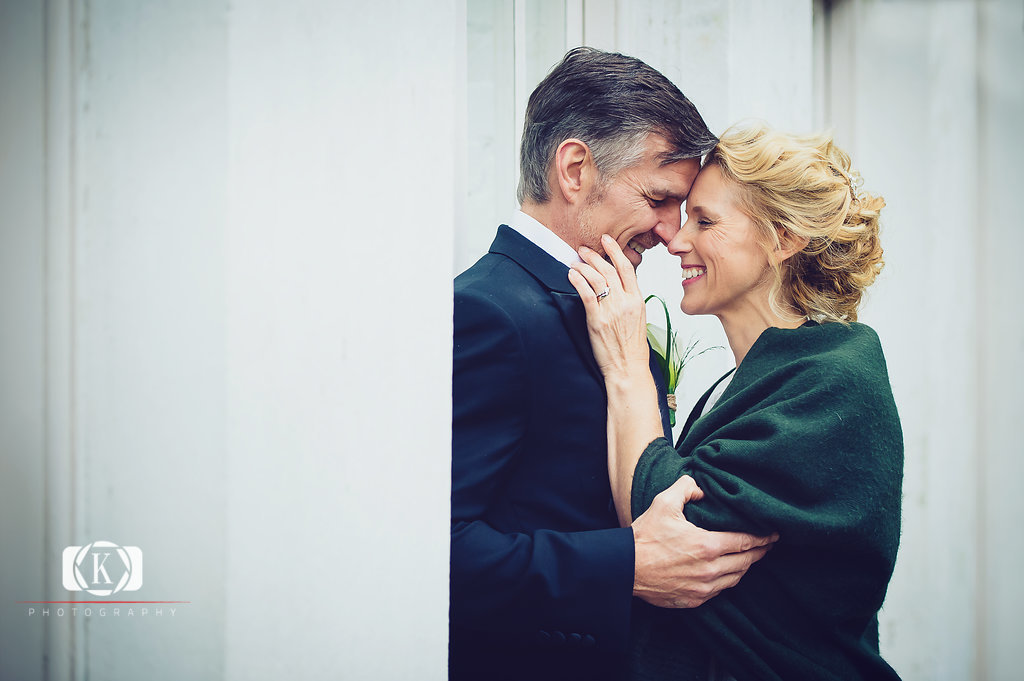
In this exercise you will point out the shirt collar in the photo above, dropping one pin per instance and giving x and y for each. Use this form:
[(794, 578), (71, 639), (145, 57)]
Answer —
[(543, 238)]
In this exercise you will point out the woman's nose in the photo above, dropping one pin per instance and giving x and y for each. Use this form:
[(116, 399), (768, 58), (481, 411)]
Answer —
[(680, 242)]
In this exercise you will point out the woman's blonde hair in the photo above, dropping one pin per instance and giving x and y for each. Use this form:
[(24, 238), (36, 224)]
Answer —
[(802, 187)]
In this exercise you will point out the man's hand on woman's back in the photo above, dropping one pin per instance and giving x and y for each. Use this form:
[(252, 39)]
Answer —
[(679, 565)]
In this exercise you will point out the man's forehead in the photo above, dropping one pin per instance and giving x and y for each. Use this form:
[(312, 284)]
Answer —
[(674, 180), (657, 146)]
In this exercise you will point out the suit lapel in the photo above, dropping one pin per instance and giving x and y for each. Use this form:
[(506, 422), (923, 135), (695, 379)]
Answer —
[(553, 276), (575, 318)]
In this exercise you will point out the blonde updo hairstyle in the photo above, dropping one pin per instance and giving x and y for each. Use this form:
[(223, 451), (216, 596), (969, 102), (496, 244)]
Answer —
[(799, 188)]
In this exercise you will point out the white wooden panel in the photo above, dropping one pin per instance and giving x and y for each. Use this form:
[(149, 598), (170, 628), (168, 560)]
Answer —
[(22, 340), (601, 24), (769, 58), (573, 23), (150, 151), (339, 258), (65, 639), (236, 300), (1000, 327), (546, 30), (511, 47), (491, 129)]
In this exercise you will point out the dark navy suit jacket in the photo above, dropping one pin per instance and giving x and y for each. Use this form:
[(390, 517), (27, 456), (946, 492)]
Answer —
[(541, 574)]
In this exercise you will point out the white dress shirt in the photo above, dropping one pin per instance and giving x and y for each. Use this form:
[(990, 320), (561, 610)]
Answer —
[(544, 238)]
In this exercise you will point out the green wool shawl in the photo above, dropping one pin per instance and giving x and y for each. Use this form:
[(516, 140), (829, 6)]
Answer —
[(805, 441)]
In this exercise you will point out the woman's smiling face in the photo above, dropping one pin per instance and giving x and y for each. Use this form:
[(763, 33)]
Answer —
[(725, 269)]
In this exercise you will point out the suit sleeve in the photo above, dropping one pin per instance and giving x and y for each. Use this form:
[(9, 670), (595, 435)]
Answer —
[(514, 582)]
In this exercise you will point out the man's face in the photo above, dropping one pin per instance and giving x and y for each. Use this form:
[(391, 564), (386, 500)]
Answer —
[(640, 206)]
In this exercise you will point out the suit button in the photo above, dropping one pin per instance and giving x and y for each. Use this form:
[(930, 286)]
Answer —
[(589, 641), (575, 639), (558, 637), (543, 637)]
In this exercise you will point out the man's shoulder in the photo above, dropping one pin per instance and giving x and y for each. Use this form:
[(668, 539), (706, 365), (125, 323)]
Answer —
[(498, 290), (487, 272), (498, 277)]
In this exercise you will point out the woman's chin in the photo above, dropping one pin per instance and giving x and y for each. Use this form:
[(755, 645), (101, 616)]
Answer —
[(688, 307), (694, 309)]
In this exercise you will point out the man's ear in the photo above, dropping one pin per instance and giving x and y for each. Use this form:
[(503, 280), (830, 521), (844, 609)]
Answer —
[(574, 169), (789, 245)]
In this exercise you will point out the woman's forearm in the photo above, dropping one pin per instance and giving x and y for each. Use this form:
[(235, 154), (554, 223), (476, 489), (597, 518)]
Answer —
[(634, 421)]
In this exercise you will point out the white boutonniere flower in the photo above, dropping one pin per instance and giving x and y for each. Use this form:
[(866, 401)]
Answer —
[(671, 360)]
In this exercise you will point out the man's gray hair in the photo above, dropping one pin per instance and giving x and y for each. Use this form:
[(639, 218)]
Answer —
[(612, 103)]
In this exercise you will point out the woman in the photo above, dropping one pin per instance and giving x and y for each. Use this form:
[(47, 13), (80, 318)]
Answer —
[(802, 438)]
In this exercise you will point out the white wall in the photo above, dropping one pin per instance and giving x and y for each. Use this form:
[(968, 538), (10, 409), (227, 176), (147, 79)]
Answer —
[(928, 98), (342, 194), (1000, 333), (226, 242), (22, 350)]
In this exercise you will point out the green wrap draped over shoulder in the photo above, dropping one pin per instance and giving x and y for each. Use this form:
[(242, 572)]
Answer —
[(805, 441)]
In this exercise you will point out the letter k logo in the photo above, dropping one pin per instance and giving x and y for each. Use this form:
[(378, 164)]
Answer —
[(97, 568)]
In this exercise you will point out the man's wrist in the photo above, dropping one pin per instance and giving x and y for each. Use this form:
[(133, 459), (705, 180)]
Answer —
[(640, 562)]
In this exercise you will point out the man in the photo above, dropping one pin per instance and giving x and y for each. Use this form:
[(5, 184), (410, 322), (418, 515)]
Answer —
[(542, 577)]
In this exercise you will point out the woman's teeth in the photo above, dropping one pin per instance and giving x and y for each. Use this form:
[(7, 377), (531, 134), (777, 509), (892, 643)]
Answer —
[(691, 272), (636, 247)]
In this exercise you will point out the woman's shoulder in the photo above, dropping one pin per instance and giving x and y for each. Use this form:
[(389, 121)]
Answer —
[(850, 350), (814, 339)]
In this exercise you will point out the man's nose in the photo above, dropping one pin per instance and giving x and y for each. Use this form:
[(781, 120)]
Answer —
[(667, 230)]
